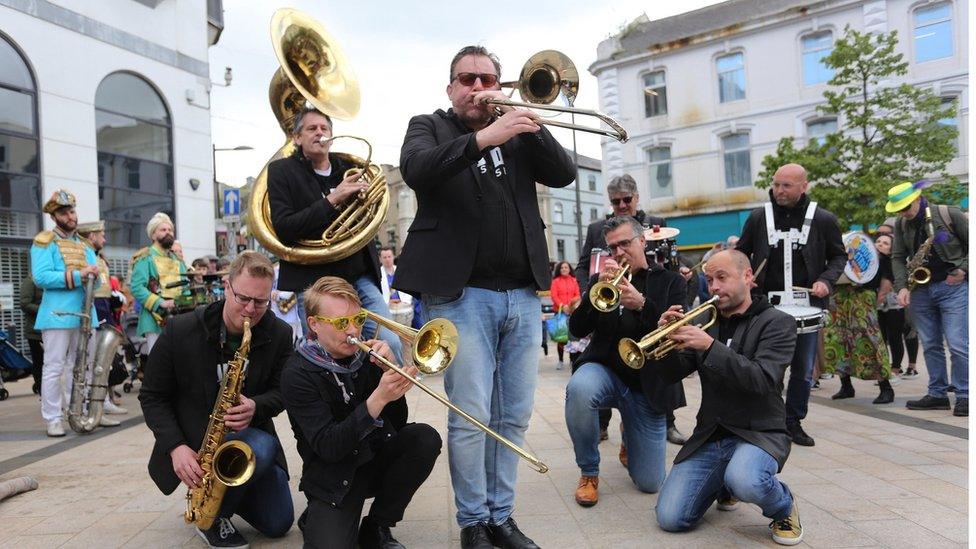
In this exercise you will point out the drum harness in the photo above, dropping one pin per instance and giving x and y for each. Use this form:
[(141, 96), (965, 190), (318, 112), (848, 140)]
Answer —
[(792, 239)]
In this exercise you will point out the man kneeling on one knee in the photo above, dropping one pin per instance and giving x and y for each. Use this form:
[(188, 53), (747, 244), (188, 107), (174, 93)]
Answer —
[(740, 441), (350, 421), (604, 381)]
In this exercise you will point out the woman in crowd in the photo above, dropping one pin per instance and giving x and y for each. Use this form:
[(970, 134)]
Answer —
[(895, 324), (565, 293)]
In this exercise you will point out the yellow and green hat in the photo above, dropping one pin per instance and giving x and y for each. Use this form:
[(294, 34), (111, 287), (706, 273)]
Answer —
[(902, 195)]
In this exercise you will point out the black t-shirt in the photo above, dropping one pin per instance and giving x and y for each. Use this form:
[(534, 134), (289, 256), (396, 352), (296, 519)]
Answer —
[(786, 219)]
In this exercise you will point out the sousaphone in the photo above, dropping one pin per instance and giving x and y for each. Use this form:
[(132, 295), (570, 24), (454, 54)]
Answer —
[(314, 71)]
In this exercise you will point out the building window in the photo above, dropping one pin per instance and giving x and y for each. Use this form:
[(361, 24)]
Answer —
[(818, 129), (560, 249), (933, 32), (951, 121), (135, 159), (20, 183), (738, 171), (591, 181), (659, 160), (816, 46), (594, 214), (655, 94), (731, 77), (557, 212)]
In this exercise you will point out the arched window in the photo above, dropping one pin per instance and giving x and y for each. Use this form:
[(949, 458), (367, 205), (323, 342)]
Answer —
[(20, 182), (135, 158)]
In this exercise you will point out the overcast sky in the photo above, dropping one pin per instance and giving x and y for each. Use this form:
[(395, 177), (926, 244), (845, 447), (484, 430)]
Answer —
[(400, 52)]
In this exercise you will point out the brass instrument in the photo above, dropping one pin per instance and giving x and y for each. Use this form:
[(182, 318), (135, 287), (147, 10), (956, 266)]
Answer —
[(918, 273), (224, 464), (543, 77), (433, 346), (285, 304), (657, 343), (314, 71), (605, 296), (90, 385)]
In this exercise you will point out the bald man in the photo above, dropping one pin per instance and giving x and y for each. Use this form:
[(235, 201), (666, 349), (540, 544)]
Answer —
[(817, 258)]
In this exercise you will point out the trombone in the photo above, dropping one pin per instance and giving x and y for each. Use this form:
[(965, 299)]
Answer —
[(543, 77), (657, 343), (434, 346), (605, 296)]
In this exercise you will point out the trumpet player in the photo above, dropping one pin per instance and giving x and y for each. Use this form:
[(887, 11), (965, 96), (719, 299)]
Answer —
[(741, 440), (939, 307), (604, 381), (350, 420)]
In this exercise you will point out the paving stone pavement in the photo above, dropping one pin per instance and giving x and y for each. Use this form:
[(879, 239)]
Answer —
[(879, 476)]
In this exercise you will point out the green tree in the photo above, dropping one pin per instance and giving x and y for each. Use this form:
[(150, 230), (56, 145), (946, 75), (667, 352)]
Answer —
[(886, 134)]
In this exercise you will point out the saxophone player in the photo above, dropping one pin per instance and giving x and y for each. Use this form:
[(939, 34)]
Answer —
[(182, 382)]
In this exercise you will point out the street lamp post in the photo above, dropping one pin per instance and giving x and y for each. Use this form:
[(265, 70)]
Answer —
[(232, 227)]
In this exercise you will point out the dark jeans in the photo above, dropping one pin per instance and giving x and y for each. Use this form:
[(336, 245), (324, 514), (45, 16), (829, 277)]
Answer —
[(801, 377), (895, 331), (264, 501), (392, 477), (605, 413), (37, 359)]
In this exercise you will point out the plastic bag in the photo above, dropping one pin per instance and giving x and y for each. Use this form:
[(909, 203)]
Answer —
[(558, 327)]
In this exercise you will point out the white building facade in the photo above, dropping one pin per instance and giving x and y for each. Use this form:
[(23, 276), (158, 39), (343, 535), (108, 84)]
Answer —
[(706, 95)]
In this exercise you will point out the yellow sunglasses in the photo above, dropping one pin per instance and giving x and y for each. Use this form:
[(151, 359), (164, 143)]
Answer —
[(342, 322)]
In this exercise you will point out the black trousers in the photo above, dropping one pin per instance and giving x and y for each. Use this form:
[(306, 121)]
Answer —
[(894, 328), (37, 359), (392, 477)]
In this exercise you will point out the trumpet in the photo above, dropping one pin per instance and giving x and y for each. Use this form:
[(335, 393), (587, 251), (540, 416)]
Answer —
[(605, 296), (657, 343)]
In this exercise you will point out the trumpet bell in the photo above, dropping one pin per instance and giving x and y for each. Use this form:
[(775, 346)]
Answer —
[(435, 346), (631, 353), (605, 297)]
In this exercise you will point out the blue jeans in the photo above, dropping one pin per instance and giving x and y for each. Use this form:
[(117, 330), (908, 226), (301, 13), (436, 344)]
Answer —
[(493, 378), (592, 387), (372, 299), (747, 471), (264, 501), (801, 377), (941, 311)]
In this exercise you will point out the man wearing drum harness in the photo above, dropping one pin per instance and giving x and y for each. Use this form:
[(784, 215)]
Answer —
[(155, 269), (818, 256)]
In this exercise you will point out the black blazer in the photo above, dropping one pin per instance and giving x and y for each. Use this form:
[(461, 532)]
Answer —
[(741, 385), (298, 211), (180, 384), (663, 289), (595, 239), (438, 161), (334, 438)]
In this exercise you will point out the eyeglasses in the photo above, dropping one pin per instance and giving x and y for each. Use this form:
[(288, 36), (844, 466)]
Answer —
[(625, 200), (468, 78), (245, 299), (342, 322), (621, 244)]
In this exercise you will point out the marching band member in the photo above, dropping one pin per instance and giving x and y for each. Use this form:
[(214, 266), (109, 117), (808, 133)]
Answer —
[(818, 259), (603, 380), (60, 263), (306, 192), (350, 420), (153, 269), (181, 384), (279, 298), (476, 253), (740, 440)]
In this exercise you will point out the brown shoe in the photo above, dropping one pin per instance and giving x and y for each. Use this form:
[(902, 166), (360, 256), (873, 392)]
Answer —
[(623, 455), (587, 493)]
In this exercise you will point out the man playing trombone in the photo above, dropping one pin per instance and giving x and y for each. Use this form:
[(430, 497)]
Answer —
[(603, 380), (740, 440), (350, 420)]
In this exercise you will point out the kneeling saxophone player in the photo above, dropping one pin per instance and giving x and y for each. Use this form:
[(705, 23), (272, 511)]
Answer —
[(183, 381)]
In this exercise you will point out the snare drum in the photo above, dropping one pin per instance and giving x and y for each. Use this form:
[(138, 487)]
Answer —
[(402, 313), (808, 319)]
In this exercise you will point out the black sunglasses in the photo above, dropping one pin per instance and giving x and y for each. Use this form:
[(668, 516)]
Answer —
[(625, 200), (468, 78)]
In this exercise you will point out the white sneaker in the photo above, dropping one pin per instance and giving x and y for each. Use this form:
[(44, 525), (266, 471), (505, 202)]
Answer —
[(112, 408), (106, 422), (54, 428)]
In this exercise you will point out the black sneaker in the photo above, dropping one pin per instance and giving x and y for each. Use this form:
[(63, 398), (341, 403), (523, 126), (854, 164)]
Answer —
[(374, 536), (928, 402), (798, 435), (223, 534), (962, 408), (508, 536), (475, 537)]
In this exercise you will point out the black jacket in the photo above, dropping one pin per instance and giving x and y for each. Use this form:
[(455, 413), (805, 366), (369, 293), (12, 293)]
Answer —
[(824, 254), (663, 289), (439, 162), (299, 211), (334, 438), (180, 384), (741, 384), (594, 239)]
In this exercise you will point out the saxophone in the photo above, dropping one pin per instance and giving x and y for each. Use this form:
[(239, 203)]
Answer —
[(918, 273), (224, 464)]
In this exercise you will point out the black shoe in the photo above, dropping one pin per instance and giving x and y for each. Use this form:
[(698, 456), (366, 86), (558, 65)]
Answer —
[(374, 536), (508, 536), (475, 537), (675, 436), (886, 395), (846, 389), (928, 402), (223, 534), (604, 435), (798, 435), (962, 408), (36, 388), (951, 389)]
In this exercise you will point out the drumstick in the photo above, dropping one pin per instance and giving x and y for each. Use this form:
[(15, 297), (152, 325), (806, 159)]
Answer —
[(761, 267)]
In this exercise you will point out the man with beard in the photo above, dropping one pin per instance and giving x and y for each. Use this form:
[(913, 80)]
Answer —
[(60, 264), (155, 270)]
